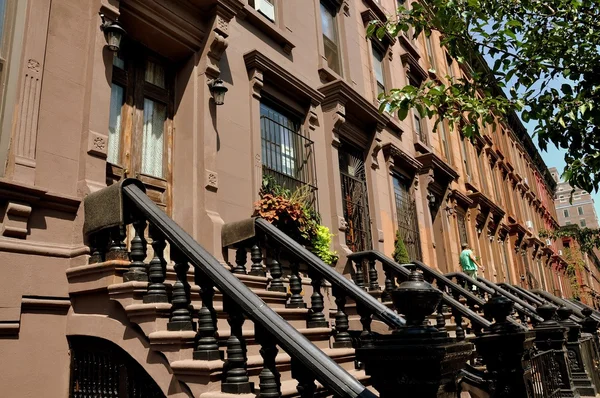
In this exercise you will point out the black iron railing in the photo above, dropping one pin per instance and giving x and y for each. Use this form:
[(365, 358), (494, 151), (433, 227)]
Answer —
[(589, 355), (576, 316), (525, 308), (395, 272), (485, 290), (545, 375), (309, 363)]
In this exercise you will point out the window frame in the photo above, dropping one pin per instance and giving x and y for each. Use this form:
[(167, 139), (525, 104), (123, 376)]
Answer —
[(334, 11), (580, 210), (136, 90), (376, 48), (566, 213)]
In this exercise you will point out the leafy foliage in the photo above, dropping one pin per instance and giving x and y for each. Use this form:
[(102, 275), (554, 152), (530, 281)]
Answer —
[(400, 254), (292, 213), (536, 45), (575, 263), (321, 244), (587, 238)]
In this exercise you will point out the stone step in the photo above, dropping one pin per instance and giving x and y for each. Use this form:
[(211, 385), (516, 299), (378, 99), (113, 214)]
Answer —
[(198, 374)]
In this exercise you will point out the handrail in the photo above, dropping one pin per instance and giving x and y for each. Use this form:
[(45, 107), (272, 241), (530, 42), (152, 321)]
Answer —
[(446, 298), (447, 282), (595, 314), (522, 293), (314, 263), (326, 371), (523, 304), (577, 316), (518, 307), (470, 280)]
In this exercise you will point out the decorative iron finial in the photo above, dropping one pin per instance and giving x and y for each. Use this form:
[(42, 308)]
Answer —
[(416, 299)]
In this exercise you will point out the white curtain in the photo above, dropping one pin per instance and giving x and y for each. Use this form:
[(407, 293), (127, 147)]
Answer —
[(114, 124), (155, 115)]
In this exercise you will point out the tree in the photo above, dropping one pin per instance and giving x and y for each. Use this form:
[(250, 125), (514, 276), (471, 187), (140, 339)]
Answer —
[(536, 46)]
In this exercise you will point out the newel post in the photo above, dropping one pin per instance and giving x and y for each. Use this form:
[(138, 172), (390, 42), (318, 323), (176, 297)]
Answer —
[(581, 375), (417, 360), (550, 335), (505, 350)]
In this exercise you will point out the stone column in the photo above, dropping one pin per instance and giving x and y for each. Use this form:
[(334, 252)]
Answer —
[(550, 335), (505, 351), (581, 377), (417, 360)]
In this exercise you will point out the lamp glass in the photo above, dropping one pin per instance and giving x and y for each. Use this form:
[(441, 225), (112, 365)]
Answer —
[(114, 39), (219, 96)]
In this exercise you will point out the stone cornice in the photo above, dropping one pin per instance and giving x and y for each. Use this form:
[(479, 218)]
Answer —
[(371, 14), (340, 92), (462, 199), (280, 77), (479, 198), (411, 63), (401, 157), (268, 28), (41, 197), (376, 10), (442, 169)]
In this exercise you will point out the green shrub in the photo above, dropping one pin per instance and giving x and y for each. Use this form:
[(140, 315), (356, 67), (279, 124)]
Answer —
[(400, 254), (321, 244)]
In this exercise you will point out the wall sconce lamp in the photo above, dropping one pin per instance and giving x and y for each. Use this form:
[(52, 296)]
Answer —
[(113, 31), (217, 89)]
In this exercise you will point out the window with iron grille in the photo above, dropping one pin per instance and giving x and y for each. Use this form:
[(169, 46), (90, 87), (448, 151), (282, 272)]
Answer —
[(355, 198), (406, 214), (287, 155)]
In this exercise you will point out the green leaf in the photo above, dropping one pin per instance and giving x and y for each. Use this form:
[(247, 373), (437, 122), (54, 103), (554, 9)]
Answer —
[(402, 113)]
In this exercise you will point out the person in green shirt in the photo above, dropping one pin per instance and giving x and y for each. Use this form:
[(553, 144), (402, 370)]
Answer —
[(469, 263)]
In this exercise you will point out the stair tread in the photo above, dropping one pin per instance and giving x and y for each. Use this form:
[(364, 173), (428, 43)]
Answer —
[(288, 387), (192, 366)]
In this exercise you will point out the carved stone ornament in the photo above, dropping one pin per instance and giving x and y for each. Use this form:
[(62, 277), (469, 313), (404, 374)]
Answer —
[(218, 45), (212, 180), (97, 144)]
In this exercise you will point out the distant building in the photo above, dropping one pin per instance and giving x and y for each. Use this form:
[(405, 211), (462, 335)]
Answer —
[(580, 211)]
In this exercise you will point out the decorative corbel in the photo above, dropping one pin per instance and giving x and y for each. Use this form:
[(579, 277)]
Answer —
[(313, 118), (346, 8), (256, 82), (218, 45), (376, 148), (339, 118), (451, 204)]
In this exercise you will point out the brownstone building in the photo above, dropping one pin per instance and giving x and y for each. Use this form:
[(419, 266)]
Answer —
[(303, 80)]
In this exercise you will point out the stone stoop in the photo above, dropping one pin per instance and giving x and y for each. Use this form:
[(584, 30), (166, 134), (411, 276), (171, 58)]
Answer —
[(203, 377)]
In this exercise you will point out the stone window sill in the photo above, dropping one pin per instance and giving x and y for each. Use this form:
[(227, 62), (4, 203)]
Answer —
[(269, 28)]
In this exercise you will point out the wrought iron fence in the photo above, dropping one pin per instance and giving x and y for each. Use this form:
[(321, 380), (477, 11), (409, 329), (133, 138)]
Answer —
[(408, 227), (590, 356), (356, 212), (545, 375)]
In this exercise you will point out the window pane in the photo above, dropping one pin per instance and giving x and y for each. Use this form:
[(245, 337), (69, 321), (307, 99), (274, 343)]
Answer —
[(580, 211), (279, 141), (566, 213), (155, 74), (2, 18), (117, 99), (155, 115), (118, 61), (328, 23), (378, 66), (582, 223), (430, 55)]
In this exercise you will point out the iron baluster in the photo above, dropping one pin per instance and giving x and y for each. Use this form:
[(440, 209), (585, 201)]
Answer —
[(270, 380), (359, 278), (366, 337), (373, 283), (306, 380), (235, 368), (342, 337), (181, 317), (207, 347), (316, 318), (276, 273), (256, 256), (137, 269), (241, 256), (296, 299), (157, 269)]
